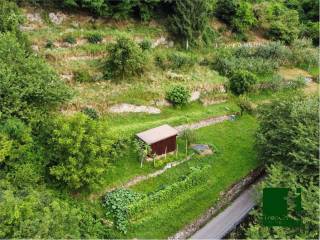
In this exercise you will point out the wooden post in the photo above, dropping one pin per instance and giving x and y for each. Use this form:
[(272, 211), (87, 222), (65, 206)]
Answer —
[(177, 148)]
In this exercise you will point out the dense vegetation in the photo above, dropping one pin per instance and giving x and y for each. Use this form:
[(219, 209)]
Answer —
[(60, 147), (288, 141)]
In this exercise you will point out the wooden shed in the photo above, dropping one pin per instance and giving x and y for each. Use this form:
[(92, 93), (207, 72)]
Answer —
[(161, 139)]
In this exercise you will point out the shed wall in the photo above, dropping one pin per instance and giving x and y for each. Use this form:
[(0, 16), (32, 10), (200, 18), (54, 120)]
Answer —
[(163, 146)]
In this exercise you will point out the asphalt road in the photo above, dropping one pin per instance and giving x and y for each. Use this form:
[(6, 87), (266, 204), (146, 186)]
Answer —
[(224, 222)]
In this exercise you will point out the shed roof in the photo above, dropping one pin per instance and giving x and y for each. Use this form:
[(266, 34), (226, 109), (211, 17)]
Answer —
[(157, 134)]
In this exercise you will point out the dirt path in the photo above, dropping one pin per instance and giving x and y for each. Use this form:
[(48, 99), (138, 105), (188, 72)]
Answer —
[(203, 123)]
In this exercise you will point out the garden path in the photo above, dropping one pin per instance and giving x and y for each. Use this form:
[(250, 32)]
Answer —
[(138, 179)]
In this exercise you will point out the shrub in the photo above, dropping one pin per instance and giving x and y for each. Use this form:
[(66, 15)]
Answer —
[(78, 151), (82, 76), (145, 45), (49, 44), (178, 95), (245, 105), (117, 203), (31, 86), (227, 66), (95, 38), (241, 82), (279, 31), (125, 59), (10, 17), (91, 113), (238, 14), (180, 60), (70, 39), (175, 60)]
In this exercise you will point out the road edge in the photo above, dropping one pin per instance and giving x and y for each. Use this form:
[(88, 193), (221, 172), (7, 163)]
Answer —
[(224, 200)]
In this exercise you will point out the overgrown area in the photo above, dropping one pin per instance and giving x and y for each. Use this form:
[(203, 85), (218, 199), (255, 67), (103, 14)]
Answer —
[(79, 78)]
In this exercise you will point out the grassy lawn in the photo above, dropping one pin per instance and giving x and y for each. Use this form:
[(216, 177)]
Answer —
[(234, 159)]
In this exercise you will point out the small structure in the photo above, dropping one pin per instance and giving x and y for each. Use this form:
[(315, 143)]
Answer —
[(161, 139), (202, 149)]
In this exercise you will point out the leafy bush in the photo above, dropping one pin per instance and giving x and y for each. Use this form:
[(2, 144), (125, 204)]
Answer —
[(280, 31), (303, 54), (95, 38), (70, 39), (241, 82), (274, 51), (238, 14), (279, 22), (49, 44), (116, 203), (227, 66), (52, 216), (82, 76), (31, 86), (289, 133), (78, 151), (178, 95), (245, 105), (91, 113), (176, 60), (125, 59), (10, 17), (179, 60), (145, 44)]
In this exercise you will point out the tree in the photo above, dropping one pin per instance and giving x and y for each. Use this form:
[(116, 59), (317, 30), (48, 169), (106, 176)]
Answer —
[(189, 20), (238, 14), (278, 176), (39, 214), (289, 134), (126, 58), (28, 85), (77, 150), (242, 81)]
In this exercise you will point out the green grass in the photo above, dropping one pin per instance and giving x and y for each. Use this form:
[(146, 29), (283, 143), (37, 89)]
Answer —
[(134, 122), (235, 158)]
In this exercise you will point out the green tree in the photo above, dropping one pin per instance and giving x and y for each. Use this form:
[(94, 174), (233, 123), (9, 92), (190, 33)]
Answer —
[(39, 214), (77, 150), (278, 176), (126, 58), (28, 85), (289, 134), (189, 20), (241, 82), (238, 14)]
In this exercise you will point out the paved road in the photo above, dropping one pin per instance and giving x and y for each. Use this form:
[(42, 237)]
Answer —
[(224, 222)]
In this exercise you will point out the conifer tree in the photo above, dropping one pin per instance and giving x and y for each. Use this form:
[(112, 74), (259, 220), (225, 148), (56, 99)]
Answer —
[(189, 20)]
